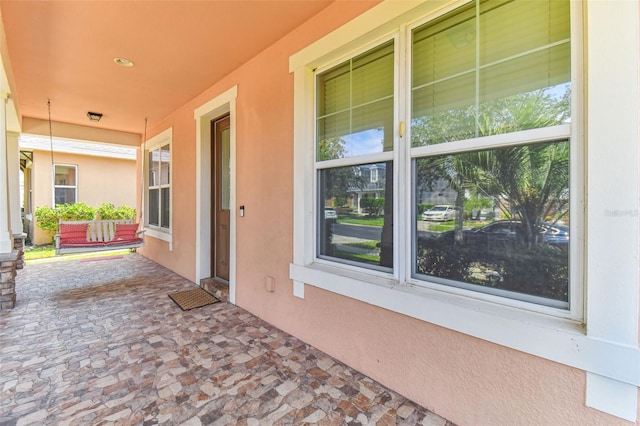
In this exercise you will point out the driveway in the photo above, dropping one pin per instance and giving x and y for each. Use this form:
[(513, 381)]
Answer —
[(93, 342)]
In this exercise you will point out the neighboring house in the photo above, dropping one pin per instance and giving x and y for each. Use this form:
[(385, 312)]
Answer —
[(368, 182), (473, 354), (75, 173)]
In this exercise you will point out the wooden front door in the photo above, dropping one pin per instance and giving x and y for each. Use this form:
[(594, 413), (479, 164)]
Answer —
[(221, 196)]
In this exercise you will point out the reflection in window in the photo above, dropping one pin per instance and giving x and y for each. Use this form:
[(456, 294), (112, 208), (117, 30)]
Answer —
[(512, 237), (165, 206), (154, 207), (164, 159), (355, 106), (351, 192), (154, 168)]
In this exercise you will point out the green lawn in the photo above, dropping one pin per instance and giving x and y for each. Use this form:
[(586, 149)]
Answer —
[(369, 245), (361, 220), (49, 252), (358, 257), (39, 252), (450, 225)]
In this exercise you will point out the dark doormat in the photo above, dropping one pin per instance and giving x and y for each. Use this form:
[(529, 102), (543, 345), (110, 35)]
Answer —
[(191, 299)]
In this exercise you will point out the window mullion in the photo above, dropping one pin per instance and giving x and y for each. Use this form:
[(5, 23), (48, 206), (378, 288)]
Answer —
[(477, 71), (402, 184)]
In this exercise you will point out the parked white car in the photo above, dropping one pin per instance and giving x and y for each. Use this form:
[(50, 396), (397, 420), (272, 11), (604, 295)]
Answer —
[(330, 214), (440, 213)]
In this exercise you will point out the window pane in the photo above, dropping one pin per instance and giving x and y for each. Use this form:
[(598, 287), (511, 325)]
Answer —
[(444, 47), (355, 106), (334, 90), (441, 112), (503, 35), (65, 175), (372, 75), (496, 221), (154, 207), (166, 207), (499, 68), (165, 159), (65, 196), (355, 221), (154, 159), (225, 170)]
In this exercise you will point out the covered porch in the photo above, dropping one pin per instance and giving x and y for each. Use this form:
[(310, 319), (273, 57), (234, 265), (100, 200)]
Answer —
[(98, 341)]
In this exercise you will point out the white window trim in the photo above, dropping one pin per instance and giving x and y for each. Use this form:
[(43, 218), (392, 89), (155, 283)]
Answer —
[(607, 348), (224, 103), (163, 138), (54, 186)]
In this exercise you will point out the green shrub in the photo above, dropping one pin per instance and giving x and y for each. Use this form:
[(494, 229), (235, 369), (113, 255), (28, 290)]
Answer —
[(107, 211), (77, 211), (47, 218), (541, 270), (372, 206)]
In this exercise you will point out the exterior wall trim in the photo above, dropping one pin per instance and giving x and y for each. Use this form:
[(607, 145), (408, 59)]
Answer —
[(220, 105)]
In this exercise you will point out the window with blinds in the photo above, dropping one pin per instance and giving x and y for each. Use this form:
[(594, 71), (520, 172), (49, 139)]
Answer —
[(355, 102), (355, 106), (483, 172), (471, 70), (494, 67)]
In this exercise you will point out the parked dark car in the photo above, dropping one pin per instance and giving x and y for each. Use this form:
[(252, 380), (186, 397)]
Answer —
[(502, 231)]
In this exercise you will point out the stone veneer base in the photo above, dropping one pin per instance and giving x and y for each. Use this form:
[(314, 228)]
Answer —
[(8, 263)]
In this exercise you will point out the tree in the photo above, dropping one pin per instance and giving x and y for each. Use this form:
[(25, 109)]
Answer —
[(530, 180), (340, 181), (331, 149)]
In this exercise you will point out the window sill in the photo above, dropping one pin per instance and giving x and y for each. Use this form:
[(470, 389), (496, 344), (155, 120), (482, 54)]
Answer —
[(557, 339), (164, 235)]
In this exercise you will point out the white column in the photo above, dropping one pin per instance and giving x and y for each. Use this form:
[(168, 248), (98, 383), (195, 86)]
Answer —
[(13, 180), (6, 241)]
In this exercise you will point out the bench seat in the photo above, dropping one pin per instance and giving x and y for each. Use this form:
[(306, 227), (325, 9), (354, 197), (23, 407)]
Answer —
[(97, 235)]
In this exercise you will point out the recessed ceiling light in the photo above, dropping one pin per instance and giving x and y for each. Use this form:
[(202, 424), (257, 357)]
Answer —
[(123, 62)]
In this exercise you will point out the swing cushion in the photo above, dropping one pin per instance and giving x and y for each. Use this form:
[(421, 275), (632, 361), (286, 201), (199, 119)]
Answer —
[(73, 233), (125, 231), (125, 234)]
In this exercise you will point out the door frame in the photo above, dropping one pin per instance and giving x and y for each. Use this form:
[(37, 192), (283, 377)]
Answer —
[(222, 104)]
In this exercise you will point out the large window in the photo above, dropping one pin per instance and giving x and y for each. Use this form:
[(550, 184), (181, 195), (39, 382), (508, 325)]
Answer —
[(65, 184), (159, 182), (494, 68), (486, 92)]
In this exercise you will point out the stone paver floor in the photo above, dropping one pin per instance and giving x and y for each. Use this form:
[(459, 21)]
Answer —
[(93, 342)]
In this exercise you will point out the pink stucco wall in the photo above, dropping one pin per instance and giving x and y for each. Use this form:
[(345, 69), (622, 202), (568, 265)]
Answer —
[(464, 379)]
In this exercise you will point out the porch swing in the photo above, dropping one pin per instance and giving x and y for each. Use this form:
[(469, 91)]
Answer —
[(96, 235)]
